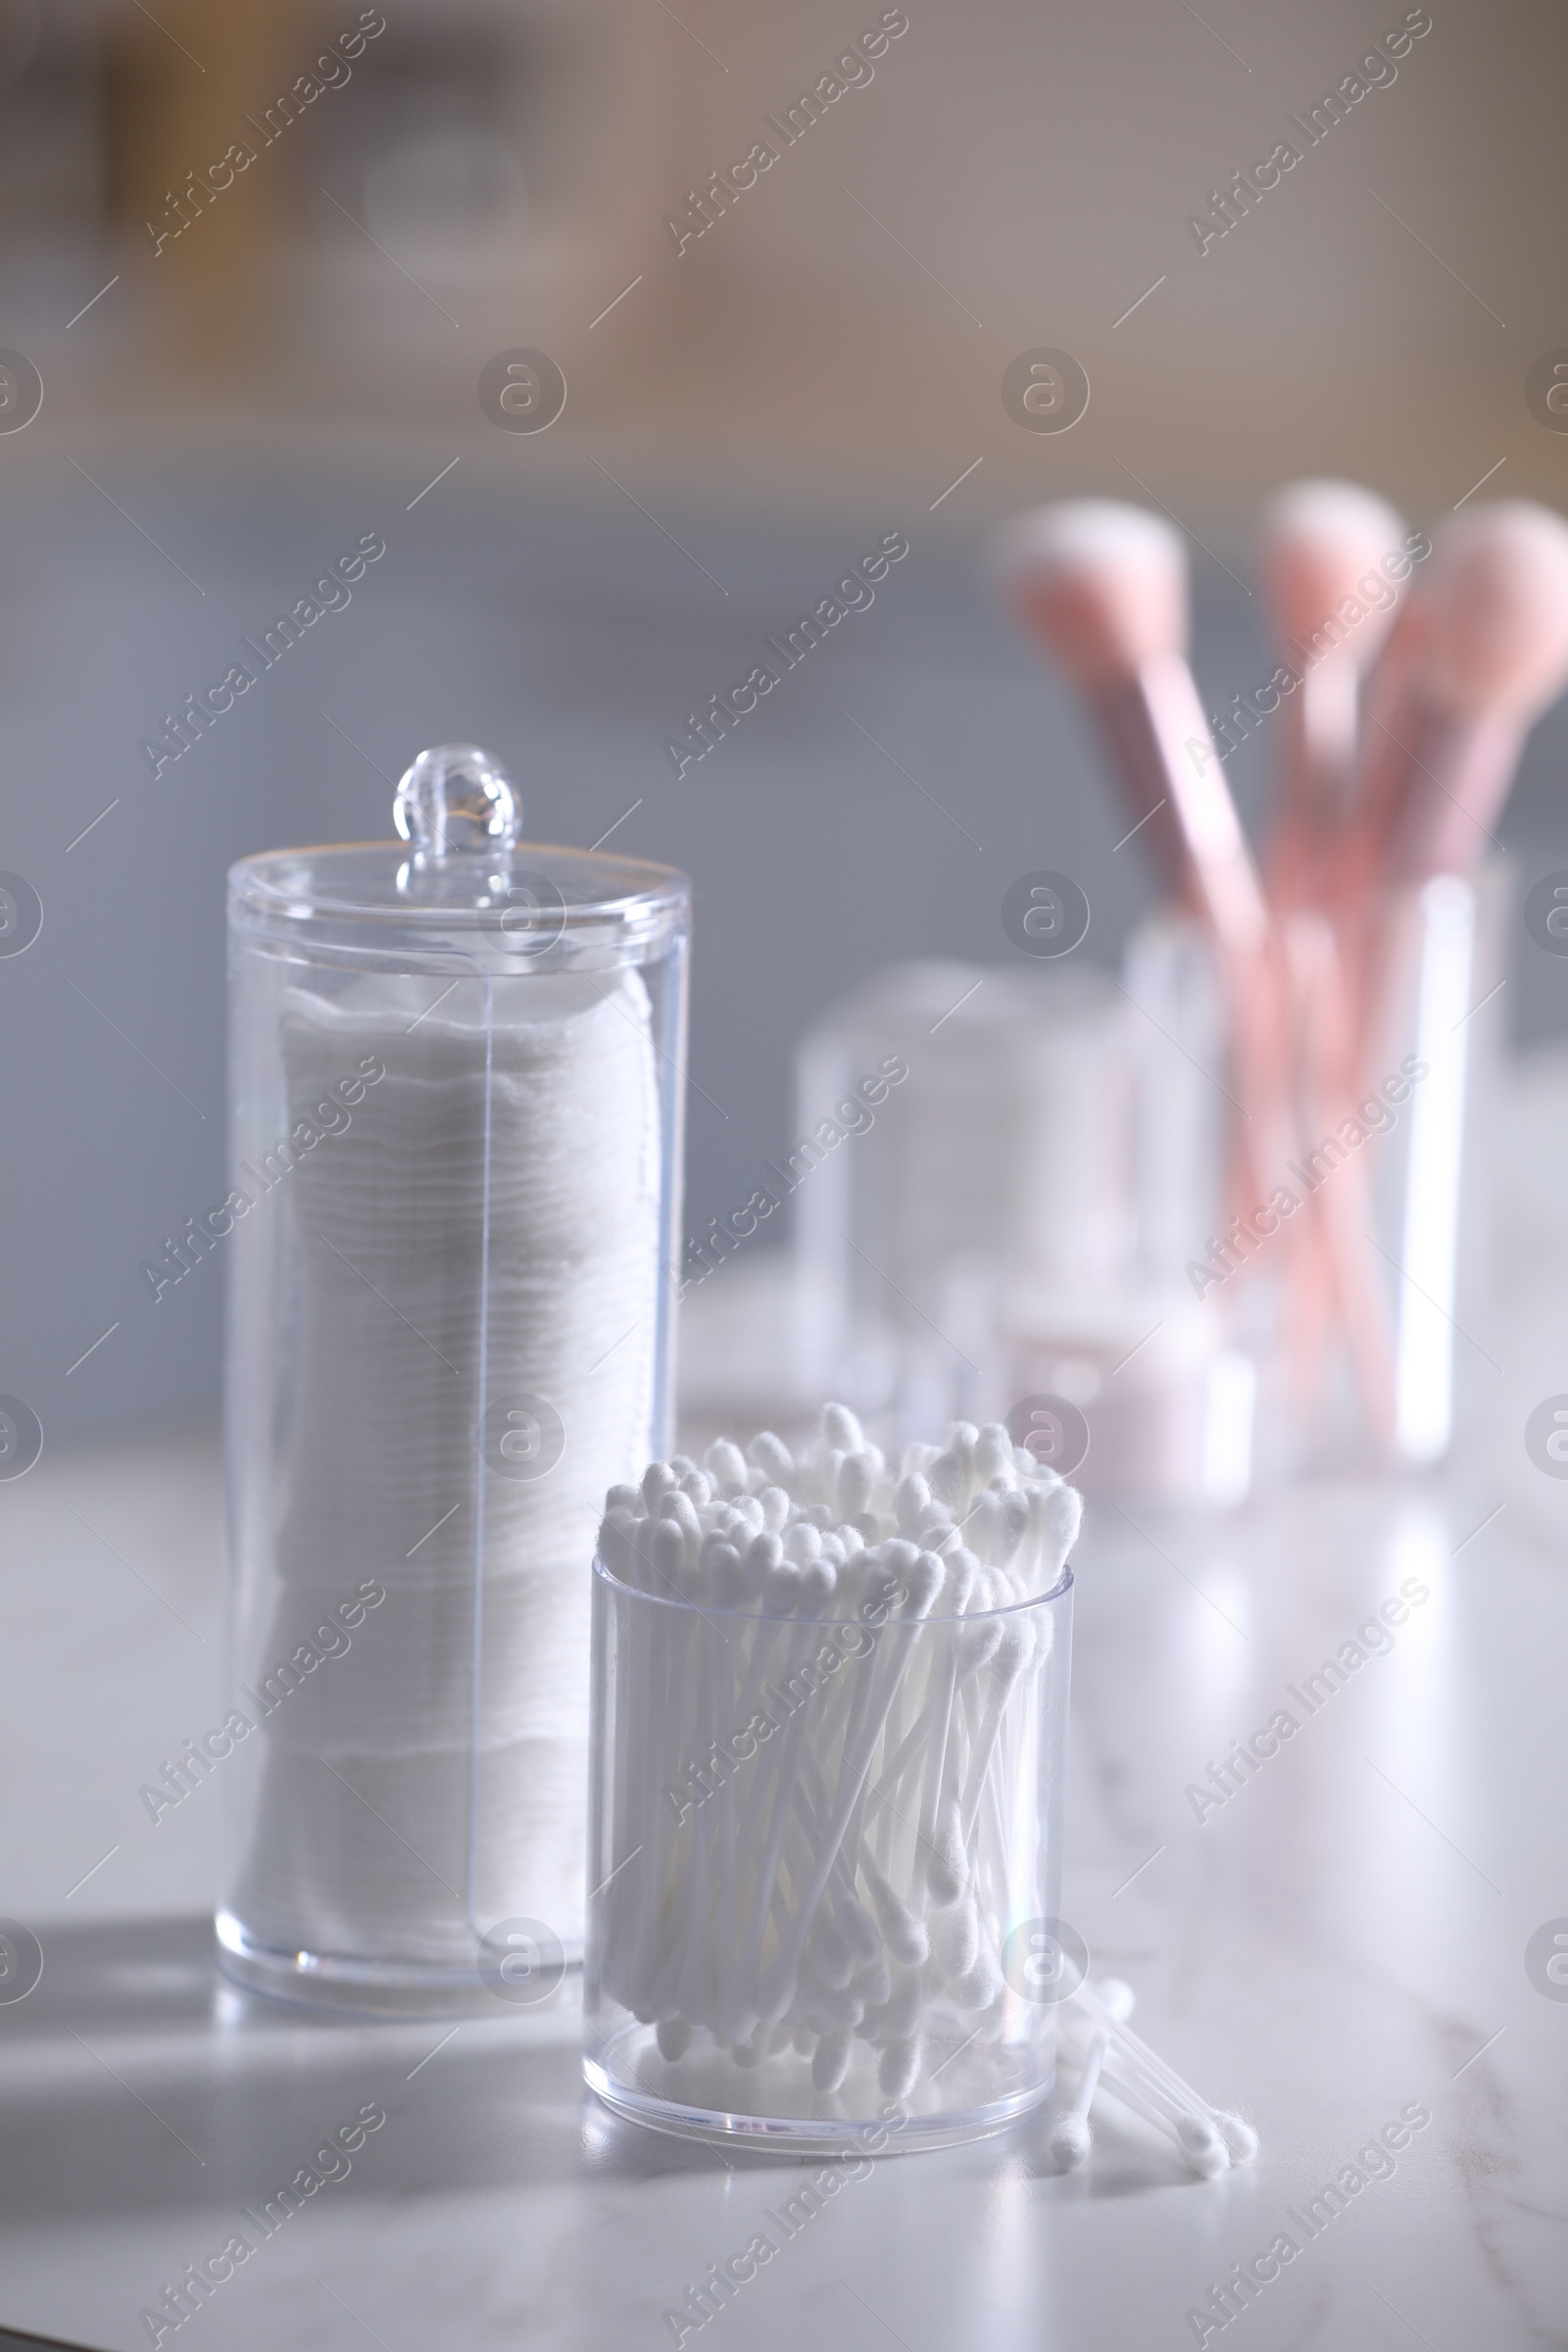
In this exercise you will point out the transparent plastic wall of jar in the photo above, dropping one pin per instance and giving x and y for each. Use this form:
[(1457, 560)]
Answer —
[(457, 1064), (825, 1838)]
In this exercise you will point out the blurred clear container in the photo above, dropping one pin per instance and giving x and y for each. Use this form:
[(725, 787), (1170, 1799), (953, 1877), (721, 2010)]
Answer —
[(1405, 1164), (1141, 1398), (1178, 1033), (946, 1113), (1012, 1213)]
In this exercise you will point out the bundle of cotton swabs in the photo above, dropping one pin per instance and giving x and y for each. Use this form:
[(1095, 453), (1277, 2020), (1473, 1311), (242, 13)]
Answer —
[(1111, 2058), (810, 1837)]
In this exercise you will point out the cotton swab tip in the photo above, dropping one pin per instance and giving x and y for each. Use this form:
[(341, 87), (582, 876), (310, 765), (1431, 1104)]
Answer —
[(1238, 2135), (657, 1480), (1116, 1997), (842, 1430), (726, 1466), (1069, 2142), (900, 2068), (769, 1453), (830, 2061), (1203, 2145)]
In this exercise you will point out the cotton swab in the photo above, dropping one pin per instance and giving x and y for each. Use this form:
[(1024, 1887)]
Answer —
[(1161, 2100), (1138, 2074), (1198, 2140), (1186, 2126), (1071, 2135), (1071, 2138)]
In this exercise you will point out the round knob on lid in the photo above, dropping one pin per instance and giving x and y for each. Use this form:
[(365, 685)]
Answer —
[(456, 798)]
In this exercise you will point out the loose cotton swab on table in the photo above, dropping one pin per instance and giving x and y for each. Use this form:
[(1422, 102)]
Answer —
[(1207, 2138), (1238, 2135), (1071, 2136)]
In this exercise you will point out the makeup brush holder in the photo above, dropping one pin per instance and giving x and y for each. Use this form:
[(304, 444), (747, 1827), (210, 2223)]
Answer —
[(1444, 1025), (1404, 1162), (456, 1067), (825, 1856)]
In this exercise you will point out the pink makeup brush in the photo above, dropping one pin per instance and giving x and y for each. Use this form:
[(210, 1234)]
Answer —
[(1103, 587), (1477, 653), (1494, 655), (1480, 650), (1330, 553)]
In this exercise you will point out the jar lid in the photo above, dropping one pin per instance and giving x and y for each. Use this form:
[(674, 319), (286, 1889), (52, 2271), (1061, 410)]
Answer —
[(460, 872)]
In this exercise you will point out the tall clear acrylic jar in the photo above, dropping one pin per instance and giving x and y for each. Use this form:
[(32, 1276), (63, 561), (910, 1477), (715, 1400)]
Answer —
[(455, 1120), (763, 1790)]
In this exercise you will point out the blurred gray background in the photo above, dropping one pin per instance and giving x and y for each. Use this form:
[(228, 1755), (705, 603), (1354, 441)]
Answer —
[(749, 416)]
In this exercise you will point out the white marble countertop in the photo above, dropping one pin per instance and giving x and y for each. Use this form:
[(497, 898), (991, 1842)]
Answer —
[(1343, 1939)]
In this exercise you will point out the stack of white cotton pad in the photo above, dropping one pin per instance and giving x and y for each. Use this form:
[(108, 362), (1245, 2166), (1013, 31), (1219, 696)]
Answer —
[(846, 1867), (484, 1231)]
